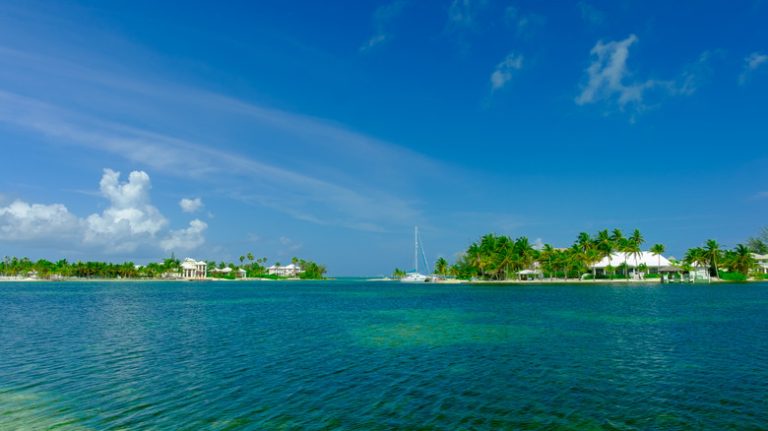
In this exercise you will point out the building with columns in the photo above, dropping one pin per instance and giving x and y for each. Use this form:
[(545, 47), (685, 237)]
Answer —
[(194, 270)]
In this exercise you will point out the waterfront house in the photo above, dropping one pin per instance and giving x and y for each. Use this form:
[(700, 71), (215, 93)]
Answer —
[(226, 270), (291, 270), (645, 259), (193, 270), (762, 262)]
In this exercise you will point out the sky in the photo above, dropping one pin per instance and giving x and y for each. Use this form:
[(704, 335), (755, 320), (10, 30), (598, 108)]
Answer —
[(130, 130)]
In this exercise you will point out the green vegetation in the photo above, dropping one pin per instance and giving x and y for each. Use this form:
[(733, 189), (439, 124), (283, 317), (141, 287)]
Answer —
[(759, 244), (24, 267), (498, 257), (169, 268)]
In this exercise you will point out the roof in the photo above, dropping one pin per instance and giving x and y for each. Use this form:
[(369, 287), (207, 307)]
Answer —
[(529, 271), (190, 263), (644, 258)]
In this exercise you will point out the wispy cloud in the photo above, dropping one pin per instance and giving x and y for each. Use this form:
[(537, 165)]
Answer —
[(504, 70), (696, 74), (607, 72), (330, 193), (382, 19), (608, 78), (752, 62)]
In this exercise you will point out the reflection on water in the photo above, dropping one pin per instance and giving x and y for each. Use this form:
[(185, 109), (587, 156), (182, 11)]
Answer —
[(350, 355)]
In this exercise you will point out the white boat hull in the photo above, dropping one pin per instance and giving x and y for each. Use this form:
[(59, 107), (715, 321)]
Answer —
[(415, 278)]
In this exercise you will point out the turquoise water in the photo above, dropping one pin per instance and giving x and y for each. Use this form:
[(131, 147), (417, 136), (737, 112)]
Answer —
[(350, 355)]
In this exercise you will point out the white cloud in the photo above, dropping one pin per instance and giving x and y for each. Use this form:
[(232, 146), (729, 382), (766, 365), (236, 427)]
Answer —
[(607, 73), (751, 63), (130, 219), (191, 205), (21, 221), (129, 222), (291, 191), (382, 18), (186, 239), (503, 72)]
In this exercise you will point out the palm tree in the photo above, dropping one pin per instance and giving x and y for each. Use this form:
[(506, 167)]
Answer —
[(546, 258), (713, 252), (696, 256), (742, 260), (441, 267), (525, 253), (633, 247), (616, 237), (657, 250)]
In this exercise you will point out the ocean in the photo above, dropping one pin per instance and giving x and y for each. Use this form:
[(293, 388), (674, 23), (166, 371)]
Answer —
[(356, 355)]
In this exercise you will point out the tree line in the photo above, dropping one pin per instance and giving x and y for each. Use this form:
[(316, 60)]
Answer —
[(45, 269), (499, 257)]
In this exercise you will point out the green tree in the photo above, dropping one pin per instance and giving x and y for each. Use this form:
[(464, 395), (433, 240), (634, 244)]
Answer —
[(441, 267), (713, 255), (759, 244), (741, 260), (657, 250)]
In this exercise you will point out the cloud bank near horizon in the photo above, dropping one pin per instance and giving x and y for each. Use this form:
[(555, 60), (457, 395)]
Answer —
[(129, 222)]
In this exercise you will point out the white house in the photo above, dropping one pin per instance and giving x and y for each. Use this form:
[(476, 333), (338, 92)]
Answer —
[(193, 270), (652, 261), (762, 262), (225, 270), (285, 271)]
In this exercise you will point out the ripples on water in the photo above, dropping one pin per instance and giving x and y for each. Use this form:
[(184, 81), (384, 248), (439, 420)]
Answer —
[(346, 355)]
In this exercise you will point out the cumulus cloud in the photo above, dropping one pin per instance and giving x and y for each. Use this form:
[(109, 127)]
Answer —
[(129, 222), (503, 72), (130, 219), (751, 63), (186, 239), (191, 205), (21, 221), (382, 18)]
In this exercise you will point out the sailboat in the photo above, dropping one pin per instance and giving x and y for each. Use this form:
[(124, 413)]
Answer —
[(416, 276)]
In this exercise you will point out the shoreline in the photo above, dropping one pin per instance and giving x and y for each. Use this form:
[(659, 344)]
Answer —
[(452, 282)]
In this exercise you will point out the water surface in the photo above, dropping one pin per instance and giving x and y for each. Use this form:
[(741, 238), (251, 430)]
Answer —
[(355, 355)]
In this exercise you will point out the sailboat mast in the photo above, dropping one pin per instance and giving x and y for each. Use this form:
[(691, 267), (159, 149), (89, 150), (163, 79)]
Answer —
[(416, 248)]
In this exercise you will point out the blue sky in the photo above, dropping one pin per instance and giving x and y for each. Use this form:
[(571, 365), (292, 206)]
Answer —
[(327, 130)]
